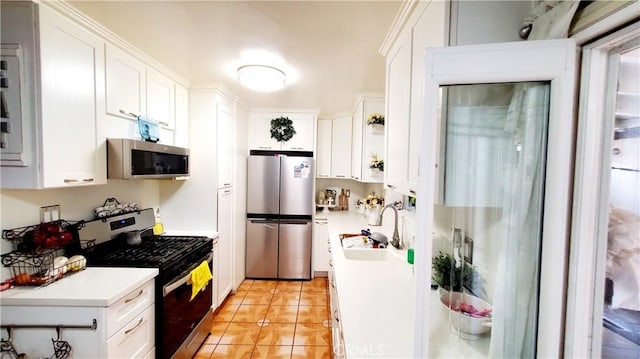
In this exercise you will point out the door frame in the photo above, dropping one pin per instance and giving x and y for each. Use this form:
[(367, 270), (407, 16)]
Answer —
[(583, 337), (544, 60)]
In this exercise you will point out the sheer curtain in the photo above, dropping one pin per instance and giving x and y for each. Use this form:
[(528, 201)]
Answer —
[(516, 294), (515, 297)]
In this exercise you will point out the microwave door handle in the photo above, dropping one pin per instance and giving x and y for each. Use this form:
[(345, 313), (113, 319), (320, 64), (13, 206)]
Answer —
[(180, 282)]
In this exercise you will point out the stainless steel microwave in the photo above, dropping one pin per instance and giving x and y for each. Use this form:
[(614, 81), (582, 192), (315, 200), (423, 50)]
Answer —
[(134, 159)]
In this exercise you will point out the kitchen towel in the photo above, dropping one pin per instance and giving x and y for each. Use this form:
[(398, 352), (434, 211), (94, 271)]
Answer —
[(199, 278)]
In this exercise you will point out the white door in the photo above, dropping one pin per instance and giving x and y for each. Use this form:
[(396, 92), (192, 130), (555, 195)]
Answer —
[(507, 127)]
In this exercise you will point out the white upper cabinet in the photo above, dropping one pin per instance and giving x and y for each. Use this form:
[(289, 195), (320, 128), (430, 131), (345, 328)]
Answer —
[(398, 110), (226, 144), (72, 74), (367, 140), (323, 150), (341, 147), (126, 83), (431, 24), (160, 99), (303, 122), (303, 140), (69, 149), (333, 155)]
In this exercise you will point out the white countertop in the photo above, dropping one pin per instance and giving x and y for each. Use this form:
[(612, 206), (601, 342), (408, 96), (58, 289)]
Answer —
[(377, 301), (376, 298), (92, 287)]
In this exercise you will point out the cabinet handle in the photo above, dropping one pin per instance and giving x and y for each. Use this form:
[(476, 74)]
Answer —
[(333, 284), (131, 299), (331, 263), (339, 176), (356, 177), (264, 147), (329, 249), (391, 186), (412, 191), (297, 148), (163, 123), (336, 316), (323, 176), (226, 184), (73, 180), (126, 332), (227, 191), (128, 113)]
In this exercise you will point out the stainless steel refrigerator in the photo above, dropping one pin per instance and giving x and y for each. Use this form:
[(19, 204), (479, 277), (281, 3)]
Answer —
[(279, 210)]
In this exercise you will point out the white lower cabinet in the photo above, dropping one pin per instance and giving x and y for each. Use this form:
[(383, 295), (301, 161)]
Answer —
[(125, 329), (225, 243), (339, 351), (321, 249)]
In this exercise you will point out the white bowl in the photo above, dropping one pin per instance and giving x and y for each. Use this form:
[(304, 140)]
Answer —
[(467, 324)]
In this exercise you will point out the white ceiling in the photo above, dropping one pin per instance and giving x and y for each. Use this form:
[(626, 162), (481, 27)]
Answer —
[(331, 45)]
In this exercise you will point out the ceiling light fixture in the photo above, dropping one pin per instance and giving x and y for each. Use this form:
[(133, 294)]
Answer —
[(261, 77)]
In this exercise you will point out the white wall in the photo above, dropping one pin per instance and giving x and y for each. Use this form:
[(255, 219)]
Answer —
[(19, 208), (191, 205)]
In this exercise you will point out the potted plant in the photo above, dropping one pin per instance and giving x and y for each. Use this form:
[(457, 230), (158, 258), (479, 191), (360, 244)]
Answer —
[(448, 276), (375, 119), (376, 164)]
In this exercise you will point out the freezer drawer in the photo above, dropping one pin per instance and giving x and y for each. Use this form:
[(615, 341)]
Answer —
[(262, 249), (294, 254)]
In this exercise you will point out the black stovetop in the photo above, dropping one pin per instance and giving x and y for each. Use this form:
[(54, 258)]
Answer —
[(168, 253)]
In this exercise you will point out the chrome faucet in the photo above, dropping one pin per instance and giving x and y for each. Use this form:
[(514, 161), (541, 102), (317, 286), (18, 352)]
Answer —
[(396, 238)]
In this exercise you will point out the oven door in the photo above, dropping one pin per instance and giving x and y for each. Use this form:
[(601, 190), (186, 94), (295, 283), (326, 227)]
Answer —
[(185, 322)]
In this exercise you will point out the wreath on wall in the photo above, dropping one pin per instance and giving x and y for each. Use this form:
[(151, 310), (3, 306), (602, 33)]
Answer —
[(282, 129)]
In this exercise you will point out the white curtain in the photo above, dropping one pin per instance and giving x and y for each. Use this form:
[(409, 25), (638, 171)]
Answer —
[(516, 294), (515, 297)]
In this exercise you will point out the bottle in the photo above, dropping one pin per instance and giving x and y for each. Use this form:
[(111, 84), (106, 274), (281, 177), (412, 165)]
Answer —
[(341, 200)]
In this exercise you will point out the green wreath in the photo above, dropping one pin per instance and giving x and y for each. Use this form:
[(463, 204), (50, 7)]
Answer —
[(282, 129)]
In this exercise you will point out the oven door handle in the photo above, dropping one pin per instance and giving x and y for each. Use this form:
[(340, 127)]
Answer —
[(179, 282)]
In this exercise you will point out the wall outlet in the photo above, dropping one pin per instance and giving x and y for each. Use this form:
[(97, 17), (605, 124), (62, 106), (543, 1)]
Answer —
[(49, 213)]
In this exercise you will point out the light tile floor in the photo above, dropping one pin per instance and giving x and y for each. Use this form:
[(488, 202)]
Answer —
[(272, 319)]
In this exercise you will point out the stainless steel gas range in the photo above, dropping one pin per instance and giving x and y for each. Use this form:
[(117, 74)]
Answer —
[(127, 240)]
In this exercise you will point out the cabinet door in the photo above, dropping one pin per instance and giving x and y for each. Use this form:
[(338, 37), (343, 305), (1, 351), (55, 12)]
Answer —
[(126, 83), (320, 247), (304, 124), (341, 147), (181, 137), (260, 131), (226, 144), (356, 142), (135, 339), (429, 31), (225, 243), (72, 72), (323, 152), (160, 99), (397, 119), (372, 141)]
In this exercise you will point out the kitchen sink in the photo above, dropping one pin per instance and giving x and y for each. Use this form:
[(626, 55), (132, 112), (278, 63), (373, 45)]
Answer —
[(358, 253), (367, 254)]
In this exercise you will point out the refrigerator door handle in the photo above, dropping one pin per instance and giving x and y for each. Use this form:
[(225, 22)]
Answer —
[(301, 222), (265, 222)]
